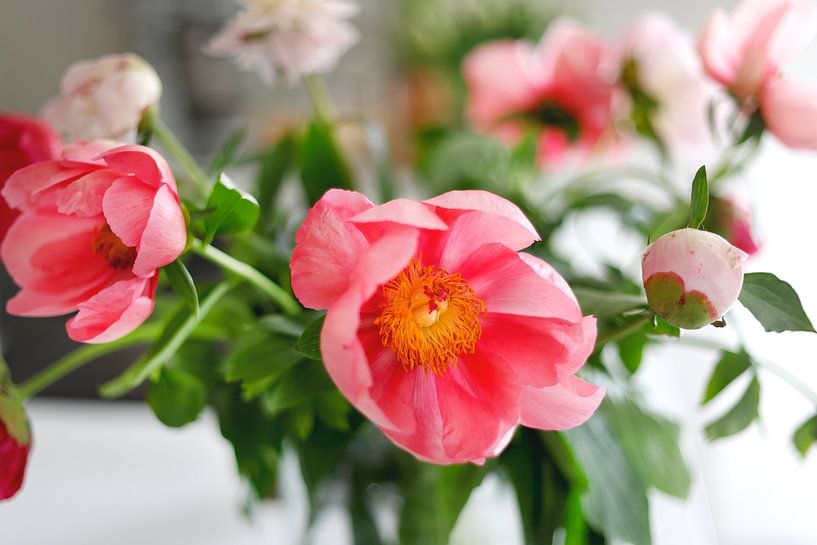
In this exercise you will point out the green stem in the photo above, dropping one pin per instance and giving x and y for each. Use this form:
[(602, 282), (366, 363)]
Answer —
[(319, 94), (248, 273), (81, 356), (201, 181), (623, 330), (783, 374)]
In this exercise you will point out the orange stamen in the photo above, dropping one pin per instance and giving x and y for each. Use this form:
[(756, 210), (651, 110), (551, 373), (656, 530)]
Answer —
[(429, 318)]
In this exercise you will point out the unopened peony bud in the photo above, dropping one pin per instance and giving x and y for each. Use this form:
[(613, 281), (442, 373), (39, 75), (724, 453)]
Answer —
[(105, 98), (15, 443), (692, 277)]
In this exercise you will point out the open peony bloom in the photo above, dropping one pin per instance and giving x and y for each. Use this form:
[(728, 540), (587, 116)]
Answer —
[(23, 141), (105, 98), (15, 444), (745, 52), (560, 87), (290, 37), (669, 93), (692, 277), (438, 329), (95, 227)]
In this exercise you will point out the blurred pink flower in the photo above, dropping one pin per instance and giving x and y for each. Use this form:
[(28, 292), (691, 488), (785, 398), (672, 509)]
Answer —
[(104, 98), (744, 52), (562, 88), (23, 141), (14, 452), (733, 221), (438, 329), (667, 84), (95, 227), (692, 277), (290, 37)]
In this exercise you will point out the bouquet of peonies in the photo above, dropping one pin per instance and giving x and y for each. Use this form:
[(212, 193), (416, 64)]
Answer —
[(419, 344)]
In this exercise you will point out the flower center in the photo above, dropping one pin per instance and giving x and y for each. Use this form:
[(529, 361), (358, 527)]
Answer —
[(111, 247), (429, 317)]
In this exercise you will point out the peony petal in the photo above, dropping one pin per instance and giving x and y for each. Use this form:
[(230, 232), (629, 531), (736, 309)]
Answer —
[(327, 248), (343, 354), (789, 109), (473, 229), (539, 350), (165, 234), (479, 403), (484, 201), (402, 212), (127, 207), (503, 78), (113, 312), (24, 189), (30, 233), (718, 49), (83, 196), (142, 162), (508, 285), (560, 407)]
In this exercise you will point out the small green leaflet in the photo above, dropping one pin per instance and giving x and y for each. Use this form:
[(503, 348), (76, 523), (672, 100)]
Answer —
[(805, 436), (234, 211), (699, 203), (310, 342), (177, 397), (183, 284), (774, 303), (738, 417), (729, 367)]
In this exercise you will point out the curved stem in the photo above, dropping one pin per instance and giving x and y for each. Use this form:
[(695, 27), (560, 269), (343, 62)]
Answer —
[(792, 381), (82, 355), (250, 274), (319, 95), (200, 179)]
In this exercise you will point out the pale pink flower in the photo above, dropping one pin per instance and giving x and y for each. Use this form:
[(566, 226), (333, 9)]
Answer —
[(290, 37), (659, 64), (95, 227), (692, 277), (438, 329), (105, 98), (745, 53), (562, 88), (732, 219)]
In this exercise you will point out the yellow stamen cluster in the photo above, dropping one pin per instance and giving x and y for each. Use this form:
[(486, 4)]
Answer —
[(111, 247), (429, 318)]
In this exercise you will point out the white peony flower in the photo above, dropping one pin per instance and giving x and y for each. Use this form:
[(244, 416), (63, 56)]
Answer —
[(293, 38), (104, 98)]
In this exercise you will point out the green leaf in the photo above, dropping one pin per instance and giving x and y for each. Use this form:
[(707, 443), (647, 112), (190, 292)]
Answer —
[(699, 202), (228, 154), (603, 304), (310, 342), (434, 498), (738, 417), (178, 330), (182, 283), (774, 303), (651, 444), (805, 436), (729, 367), (322, 164), (265, 357), (234, 211), (176, 397), (662, 327), (631, 350), (575, 524), (275, 165), (615, 502), (300, 383)]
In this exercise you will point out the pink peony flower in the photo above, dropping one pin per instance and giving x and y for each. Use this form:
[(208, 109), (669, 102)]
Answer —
[(95, 226), (732, 220), (23, 141), (559, 88), (291, 37), (668, 88), (105, 98), (437, 329), (745, 53), (692, 277), (14, 450)]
